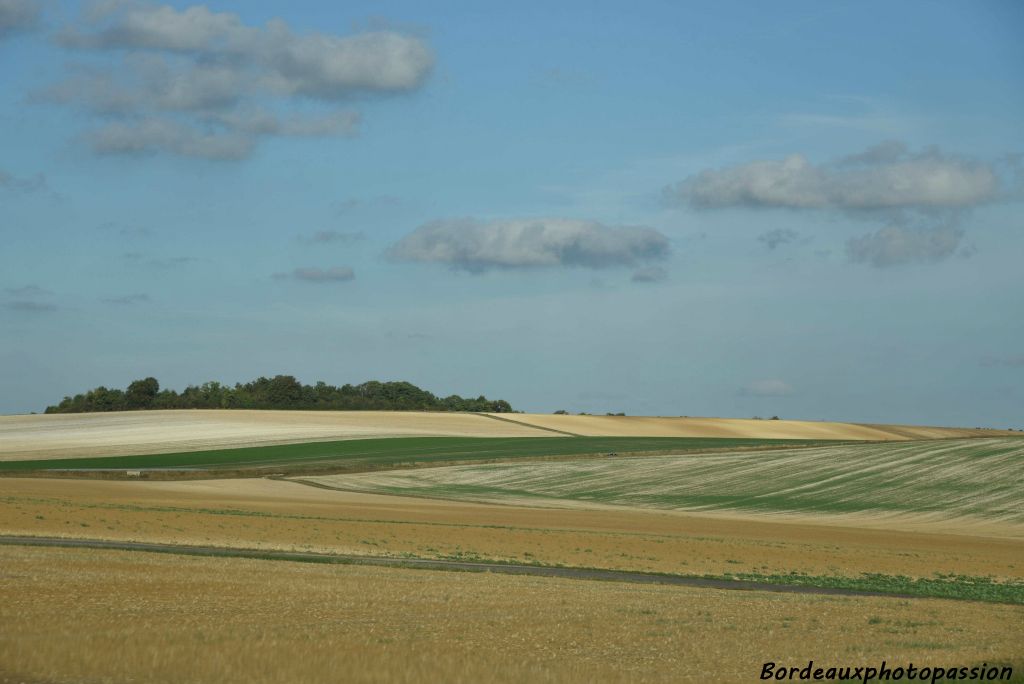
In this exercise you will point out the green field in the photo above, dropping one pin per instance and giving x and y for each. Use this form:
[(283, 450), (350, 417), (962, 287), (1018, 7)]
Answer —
[(968, 477), (364, 454)]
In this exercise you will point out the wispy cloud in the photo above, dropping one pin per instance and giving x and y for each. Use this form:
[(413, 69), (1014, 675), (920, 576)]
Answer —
[(158, 262), (896, 244), (335, 274), (780, 236), (649, 274), (353, 204), (331, 236), (136, 298), (12, 183), (767, 388), (28, 291), (30, 306)]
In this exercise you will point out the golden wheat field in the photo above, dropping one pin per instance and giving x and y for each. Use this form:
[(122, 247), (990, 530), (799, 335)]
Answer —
[(85, 615)]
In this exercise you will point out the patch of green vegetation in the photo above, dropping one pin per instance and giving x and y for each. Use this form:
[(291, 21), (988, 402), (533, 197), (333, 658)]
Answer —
[(961, 587), (953, 478), (390, 452)]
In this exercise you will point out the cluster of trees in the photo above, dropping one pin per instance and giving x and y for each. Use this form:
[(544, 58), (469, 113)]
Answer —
[(278, 392)]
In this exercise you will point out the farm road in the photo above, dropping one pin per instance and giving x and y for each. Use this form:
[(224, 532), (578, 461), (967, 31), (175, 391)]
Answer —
[(432, 564)]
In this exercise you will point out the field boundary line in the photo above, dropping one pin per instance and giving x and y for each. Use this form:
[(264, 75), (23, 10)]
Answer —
[(530, 425), (449, 565)]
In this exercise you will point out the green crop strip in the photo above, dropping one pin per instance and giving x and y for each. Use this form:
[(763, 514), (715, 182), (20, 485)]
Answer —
[(403, 450), (961, 587)]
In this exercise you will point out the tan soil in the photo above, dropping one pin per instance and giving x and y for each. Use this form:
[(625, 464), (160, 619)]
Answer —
[(256, 513), (86, 615), (152, 432), (649, 426)]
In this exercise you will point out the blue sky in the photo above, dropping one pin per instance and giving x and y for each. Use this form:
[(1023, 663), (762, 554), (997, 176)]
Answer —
[(804, 209)]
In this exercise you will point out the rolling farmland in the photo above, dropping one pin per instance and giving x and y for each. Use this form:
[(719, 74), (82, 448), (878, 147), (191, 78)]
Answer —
[(154, 432), (945, 480), (771, 502)]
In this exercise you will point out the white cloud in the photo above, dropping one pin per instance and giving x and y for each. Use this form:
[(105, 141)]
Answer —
[(195, 74), (887, 176), (477, 246)]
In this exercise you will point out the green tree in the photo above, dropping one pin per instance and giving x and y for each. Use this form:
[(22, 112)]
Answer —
[(141, 393)]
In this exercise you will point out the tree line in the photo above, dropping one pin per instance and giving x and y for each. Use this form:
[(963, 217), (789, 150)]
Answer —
[(278, 392)]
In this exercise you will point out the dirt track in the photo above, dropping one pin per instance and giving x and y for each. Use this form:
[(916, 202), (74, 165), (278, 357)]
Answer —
[(434, 564)]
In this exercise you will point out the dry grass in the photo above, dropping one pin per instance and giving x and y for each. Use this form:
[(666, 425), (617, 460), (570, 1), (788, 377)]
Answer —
[(649, 426), (284, 515), (151, 432), (85, 615)]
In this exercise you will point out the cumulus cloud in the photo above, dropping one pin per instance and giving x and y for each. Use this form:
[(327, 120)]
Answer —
[(922, 196), (476, 246), (331, 236), (335, 274), (780, 236), (18, 15), (767, 388), (649, 274), (194, 82), (887, 176), (896, 244)]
